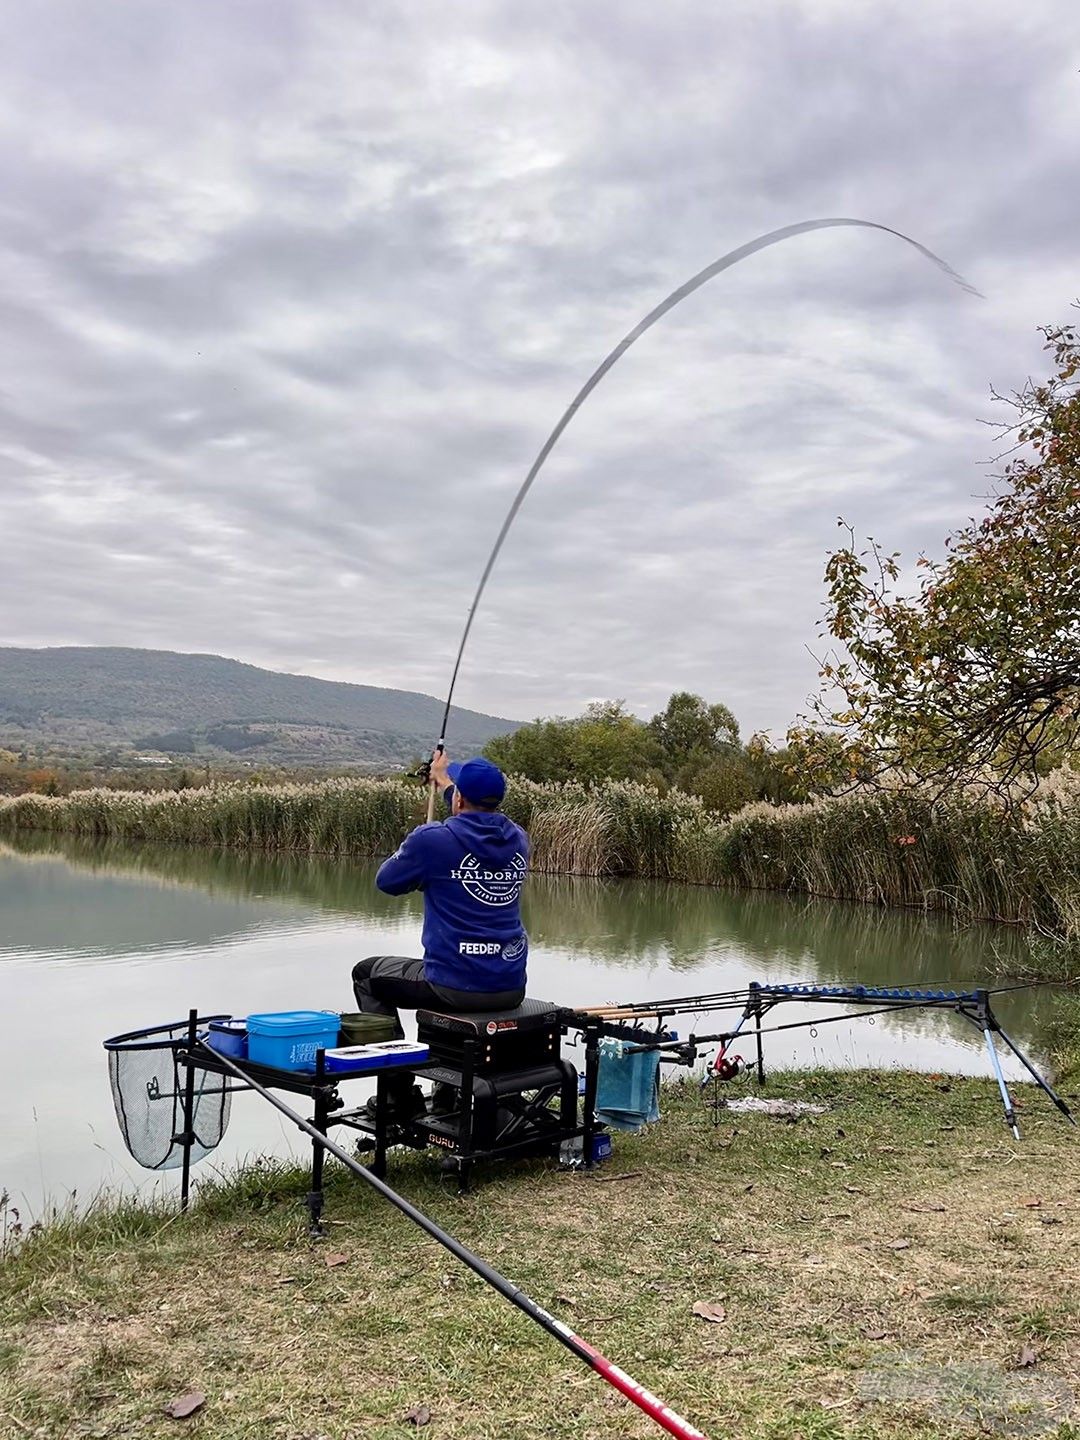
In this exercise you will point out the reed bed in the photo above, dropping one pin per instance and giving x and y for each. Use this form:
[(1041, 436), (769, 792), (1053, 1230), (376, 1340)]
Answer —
[(961, 856)]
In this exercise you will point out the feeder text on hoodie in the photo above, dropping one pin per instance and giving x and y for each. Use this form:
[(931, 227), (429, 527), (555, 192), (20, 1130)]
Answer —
[(471, 869)]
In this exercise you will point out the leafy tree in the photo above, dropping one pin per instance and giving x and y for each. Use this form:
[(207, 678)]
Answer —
[(976, 676), (606, 743), (45, 781), (689, 729), (724, 783), (540, 751), (690, 745), (814, 762)]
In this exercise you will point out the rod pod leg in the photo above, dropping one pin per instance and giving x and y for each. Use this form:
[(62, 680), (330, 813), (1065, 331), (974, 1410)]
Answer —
[(757, 1040), (1042, 1084), (1006, 1098)]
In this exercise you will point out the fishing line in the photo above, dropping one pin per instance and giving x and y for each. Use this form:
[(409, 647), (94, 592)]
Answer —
[(792, 1025), (733, 257)]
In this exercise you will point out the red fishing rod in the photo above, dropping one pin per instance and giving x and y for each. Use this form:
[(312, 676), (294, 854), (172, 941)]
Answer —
[(644, 1399)]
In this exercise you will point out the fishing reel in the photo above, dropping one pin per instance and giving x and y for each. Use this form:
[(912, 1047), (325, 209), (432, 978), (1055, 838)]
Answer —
[(727, 1067), (421, 773), (724, 1067)]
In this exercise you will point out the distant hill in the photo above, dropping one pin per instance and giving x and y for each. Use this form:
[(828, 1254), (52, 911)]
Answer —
[(90, 701)]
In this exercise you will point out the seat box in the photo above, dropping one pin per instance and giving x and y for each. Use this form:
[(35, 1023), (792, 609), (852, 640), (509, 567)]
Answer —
[(503, 1040)]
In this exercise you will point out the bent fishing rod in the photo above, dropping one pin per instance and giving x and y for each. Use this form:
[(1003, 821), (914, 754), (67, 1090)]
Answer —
[(733, 257), (644, 1399)]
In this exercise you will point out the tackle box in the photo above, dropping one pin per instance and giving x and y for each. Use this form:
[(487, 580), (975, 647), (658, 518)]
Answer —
[(375, 1057), (288, 1040), (228, 1037)]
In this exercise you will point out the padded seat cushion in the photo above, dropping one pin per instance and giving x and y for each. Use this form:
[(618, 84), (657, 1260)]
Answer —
[(529, 1015)]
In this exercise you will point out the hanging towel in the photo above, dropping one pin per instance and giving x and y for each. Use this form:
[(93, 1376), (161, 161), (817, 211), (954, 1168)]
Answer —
[(628, 1086)]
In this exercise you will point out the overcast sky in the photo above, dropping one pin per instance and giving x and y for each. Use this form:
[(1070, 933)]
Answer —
[(293, 292)]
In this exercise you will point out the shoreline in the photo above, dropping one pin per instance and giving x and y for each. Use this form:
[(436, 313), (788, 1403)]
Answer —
[(904, 1221)]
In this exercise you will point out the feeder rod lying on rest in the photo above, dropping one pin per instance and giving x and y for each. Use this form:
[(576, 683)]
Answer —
[(653, 1407)]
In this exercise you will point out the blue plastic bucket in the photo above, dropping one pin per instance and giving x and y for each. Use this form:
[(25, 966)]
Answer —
[(228, 1037), (289, 1040)]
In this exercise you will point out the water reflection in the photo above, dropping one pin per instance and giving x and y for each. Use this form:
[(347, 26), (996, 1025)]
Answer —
[(105, 888), (96, 938)]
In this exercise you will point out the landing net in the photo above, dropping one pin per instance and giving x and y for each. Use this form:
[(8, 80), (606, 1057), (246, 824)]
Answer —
[(147, 1088)]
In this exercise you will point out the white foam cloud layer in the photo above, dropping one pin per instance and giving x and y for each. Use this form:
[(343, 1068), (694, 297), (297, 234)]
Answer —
[(292, 294)]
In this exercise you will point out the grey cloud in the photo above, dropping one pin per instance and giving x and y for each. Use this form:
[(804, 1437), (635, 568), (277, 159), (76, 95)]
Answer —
[(294, 293)]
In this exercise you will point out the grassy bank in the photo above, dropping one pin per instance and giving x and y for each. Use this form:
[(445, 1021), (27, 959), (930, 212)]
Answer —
[(884, 1269), (963, 857)]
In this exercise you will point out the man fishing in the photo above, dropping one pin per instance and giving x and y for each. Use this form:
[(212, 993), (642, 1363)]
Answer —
[(470, 868)]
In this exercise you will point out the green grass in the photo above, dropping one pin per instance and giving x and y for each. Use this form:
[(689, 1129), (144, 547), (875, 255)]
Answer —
[(834, 1326)]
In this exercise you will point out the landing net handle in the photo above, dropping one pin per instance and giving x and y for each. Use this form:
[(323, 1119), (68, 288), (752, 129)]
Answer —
[(644, 1399)]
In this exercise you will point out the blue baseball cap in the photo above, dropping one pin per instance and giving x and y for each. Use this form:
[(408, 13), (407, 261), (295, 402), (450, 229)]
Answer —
[(480, 782)]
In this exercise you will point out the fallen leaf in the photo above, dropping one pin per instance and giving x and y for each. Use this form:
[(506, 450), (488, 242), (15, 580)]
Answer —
[(1033, 1204), (185, 1405), (710, 1310), (1026, 1358), (333, 1261), (899, 1244), (853, 1189), (1051, 1220), (565, 1300), (418, 1415), (874, 1334), (926, 1209)]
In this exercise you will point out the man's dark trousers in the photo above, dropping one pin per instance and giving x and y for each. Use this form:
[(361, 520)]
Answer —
[(383, 982)]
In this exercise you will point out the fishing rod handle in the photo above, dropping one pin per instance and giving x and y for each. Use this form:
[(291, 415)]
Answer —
[(668, 1419), (440, 749)]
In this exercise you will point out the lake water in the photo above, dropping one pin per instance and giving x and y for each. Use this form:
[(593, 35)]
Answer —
[(96, 939)]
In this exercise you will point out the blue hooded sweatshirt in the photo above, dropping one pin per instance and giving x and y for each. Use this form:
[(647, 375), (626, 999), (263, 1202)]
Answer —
[(471, 869)]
